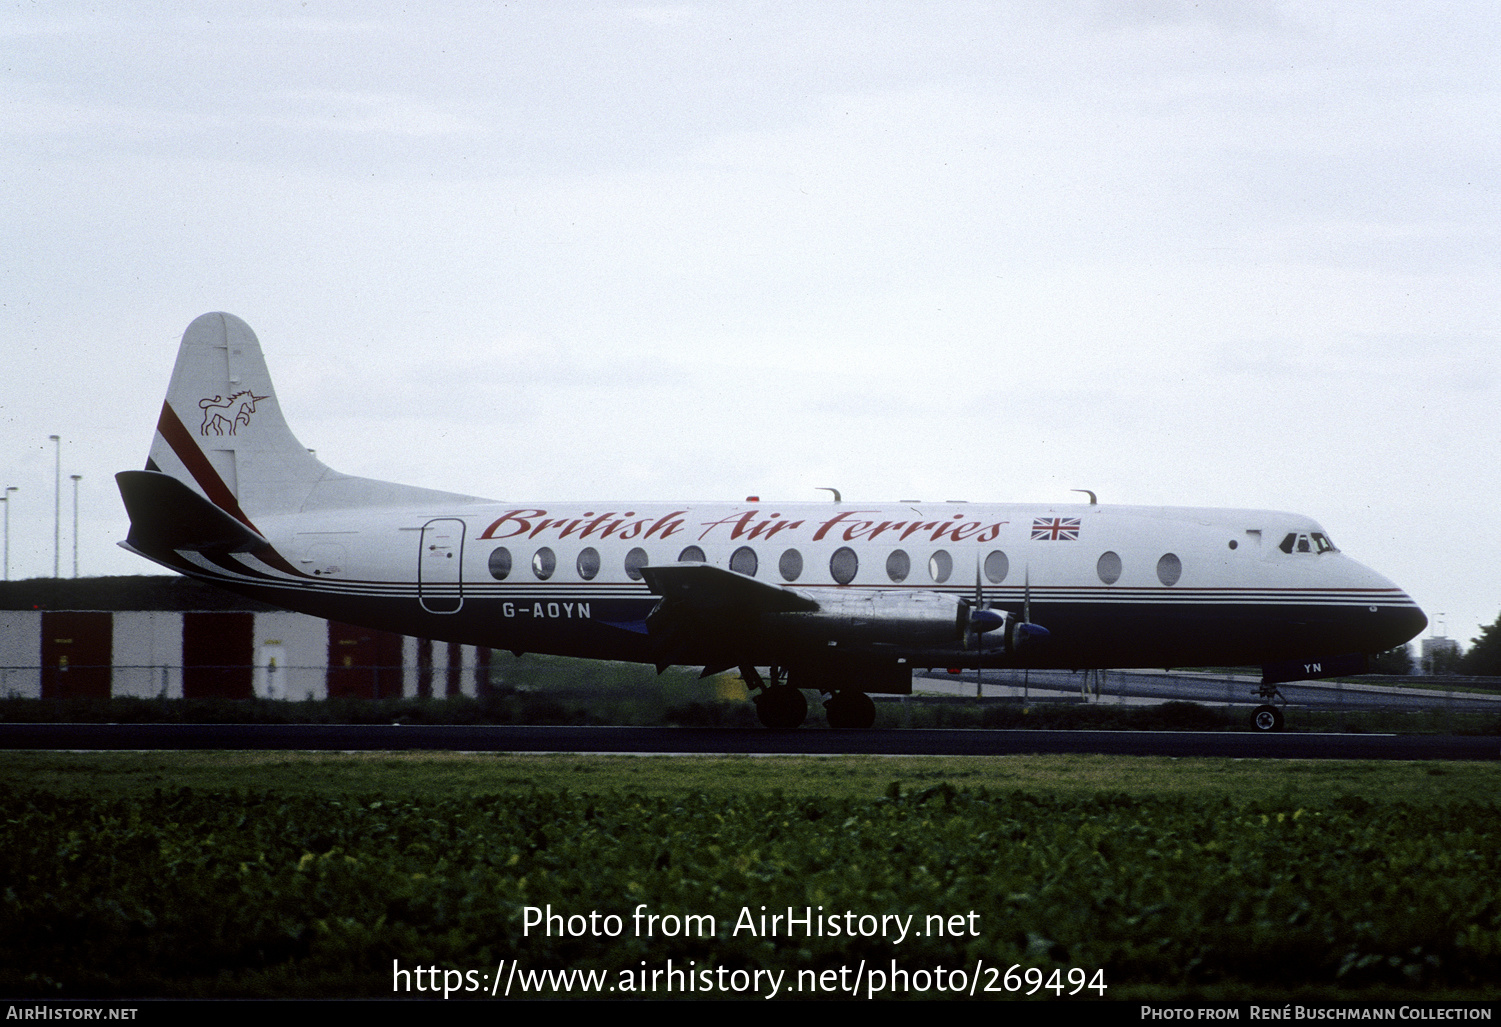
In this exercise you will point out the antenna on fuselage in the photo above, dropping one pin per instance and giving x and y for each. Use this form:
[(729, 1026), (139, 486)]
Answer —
[(1092, 500), (824, 488)]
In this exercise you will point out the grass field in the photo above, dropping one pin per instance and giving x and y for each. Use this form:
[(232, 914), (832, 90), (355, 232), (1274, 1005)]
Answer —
[(290, 874), (457, 775)]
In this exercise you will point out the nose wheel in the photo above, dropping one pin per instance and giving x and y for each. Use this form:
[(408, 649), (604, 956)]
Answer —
[(1266, 718)]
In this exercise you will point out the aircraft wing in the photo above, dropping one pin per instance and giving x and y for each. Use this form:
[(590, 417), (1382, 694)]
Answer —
[(728, 614), (715, 590)]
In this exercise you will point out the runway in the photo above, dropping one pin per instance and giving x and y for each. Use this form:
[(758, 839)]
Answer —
[(746, 741)]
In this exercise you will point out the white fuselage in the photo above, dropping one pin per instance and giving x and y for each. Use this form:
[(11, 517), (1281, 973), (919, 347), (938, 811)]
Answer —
[(1116, 586)]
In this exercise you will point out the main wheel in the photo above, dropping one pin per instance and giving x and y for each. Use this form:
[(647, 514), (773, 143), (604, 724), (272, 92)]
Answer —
[(1266, 718), (850, 710), (781, 707)]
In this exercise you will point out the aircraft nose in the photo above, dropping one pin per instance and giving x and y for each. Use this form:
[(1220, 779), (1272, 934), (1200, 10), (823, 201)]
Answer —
[(1401, 624), (1394, 618)]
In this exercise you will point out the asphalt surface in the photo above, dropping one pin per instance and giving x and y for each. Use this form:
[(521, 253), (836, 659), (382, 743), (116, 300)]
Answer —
[(508, 738)]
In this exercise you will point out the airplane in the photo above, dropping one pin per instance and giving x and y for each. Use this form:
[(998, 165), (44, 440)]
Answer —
[(845, 598)]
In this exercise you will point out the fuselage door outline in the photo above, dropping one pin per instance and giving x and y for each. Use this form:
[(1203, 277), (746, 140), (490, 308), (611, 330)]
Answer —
[(440, 563)]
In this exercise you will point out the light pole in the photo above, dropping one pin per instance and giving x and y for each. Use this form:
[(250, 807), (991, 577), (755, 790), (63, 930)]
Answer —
[(75, 478), (57, 501), (6, 500)]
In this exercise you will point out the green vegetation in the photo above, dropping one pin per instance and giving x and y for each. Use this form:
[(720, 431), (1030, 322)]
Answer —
[(431, 776), (284, 874), (1484, 654), (1393, 661)]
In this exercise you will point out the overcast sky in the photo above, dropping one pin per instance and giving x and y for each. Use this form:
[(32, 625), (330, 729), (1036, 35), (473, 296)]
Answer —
[(1219, 254)]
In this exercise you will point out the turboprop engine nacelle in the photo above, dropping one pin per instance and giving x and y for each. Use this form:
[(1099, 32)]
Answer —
[(895, 618)]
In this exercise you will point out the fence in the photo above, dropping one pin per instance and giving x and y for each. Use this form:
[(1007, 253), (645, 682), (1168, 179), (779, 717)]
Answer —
[(1372, 693), (244, 681)]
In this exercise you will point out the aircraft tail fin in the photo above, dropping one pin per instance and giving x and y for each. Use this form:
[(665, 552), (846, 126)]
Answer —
[(222, 435), (221, 430)]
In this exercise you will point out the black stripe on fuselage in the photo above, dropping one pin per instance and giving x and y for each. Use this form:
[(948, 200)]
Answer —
[(1088, 629)]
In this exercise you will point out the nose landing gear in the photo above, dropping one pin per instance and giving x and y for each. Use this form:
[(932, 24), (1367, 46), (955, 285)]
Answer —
[(1267, 717)]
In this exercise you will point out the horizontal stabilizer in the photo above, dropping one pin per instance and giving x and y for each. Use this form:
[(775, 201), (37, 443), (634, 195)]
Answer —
[(166, 515), (707, 588)]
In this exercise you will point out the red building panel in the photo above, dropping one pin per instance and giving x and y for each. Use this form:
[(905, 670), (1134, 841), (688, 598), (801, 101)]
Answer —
[(217, 655), (363, 663), (77, 653)]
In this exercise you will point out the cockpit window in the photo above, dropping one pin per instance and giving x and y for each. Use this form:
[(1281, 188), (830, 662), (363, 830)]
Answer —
[(1307, 542)]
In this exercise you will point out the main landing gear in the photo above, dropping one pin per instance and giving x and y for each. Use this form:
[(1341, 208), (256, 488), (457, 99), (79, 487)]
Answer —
[(779, 706), (782, 707), (850, 710)]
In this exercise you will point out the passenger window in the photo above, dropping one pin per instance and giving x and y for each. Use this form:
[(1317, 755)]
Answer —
[(790, 566), (692, 554), (844, 564), (898, 565), (500, 563), (744, 561), (1109, 568), (634, 561), (997, 567), (588, 563), (1169, 569), (940, 566), (544, 562)]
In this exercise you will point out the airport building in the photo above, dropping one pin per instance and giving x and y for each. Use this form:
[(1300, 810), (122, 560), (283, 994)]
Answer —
[(173, 637), (1440, 655)]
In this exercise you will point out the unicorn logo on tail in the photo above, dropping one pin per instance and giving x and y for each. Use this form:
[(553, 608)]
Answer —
[(224, 416)]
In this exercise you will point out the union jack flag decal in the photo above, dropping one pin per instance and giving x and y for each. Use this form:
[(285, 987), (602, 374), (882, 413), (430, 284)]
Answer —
[(1051, 529)]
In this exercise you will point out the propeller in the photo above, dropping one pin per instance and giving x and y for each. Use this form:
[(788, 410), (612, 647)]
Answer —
[(1027, 633), (1016, 633), (981, 617), (981, 620)]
